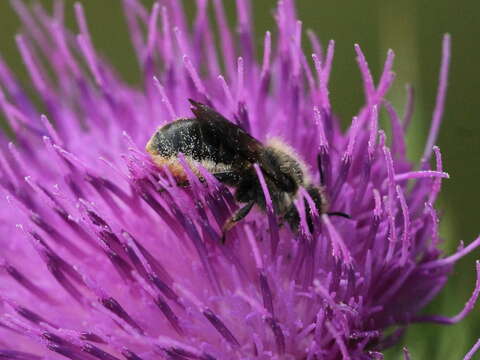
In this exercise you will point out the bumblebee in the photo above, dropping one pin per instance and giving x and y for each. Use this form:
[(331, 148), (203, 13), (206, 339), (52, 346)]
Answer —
[(229, 153)]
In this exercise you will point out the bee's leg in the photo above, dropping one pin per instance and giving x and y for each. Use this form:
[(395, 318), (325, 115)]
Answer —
[(183, 183), (230, 178), (236, 217)]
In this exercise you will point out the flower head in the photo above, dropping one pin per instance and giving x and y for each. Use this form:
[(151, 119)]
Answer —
[(104, 256)]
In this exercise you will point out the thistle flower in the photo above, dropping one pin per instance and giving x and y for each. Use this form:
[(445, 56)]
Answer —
[(105, 257)]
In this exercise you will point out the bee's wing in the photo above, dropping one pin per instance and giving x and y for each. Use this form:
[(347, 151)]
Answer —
[(230, 135), (238, 141)]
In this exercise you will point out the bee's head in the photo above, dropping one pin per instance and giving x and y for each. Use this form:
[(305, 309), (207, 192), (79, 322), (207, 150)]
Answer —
[(288, 163)]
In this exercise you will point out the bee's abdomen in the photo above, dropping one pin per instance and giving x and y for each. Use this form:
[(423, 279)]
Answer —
[(195, 139), (181, 136)]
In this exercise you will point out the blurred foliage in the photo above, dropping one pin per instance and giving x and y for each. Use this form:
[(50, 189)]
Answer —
[(413, 29)]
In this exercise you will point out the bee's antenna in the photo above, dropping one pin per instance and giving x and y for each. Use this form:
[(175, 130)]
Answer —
[(320, 170), (338, 213)]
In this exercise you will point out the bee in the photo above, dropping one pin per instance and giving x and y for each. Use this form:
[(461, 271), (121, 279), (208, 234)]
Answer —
[(229, 153)]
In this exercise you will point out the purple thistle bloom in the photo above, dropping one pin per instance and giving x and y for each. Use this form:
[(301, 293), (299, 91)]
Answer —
[(103, 256)]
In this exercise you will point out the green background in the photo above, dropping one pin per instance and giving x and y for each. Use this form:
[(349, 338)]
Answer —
[(413, 29)]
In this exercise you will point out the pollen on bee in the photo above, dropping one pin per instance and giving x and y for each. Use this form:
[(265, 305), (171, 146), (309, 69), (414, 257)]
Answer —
[(150, 147), (176, 168)]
